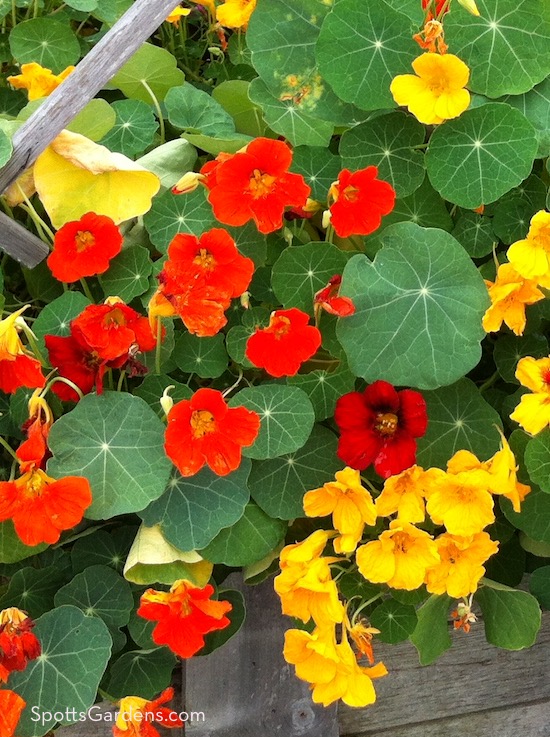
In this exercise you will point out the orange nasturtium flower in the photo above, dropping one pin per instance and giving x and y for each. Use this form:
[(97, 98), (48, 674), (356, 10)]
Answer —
[(135, 716), (11, 707), (359, 202), (533, 411), (461, 565), (183, 615), (204, 430), (350, 504), (235, 13), (17, 367), (18, 644), (510, 293), (84, 247), (530, 257), (436, 91), (37, 80)]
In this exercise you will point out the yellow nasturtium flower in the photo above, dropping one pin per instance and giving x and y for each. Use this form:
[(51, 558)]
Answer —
[(235, 13), (530, 257), (461, 564), (510, 293), (533, 411), (404, 494), (37, 80), (176, 15), (502, 469), (437, 91)]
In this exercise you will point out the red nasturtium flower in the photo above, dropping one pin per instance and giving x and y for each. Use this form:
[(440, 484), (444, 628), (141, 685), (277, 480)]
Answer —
[(379, 426), (328, 299), (203, 430), (18, 644), (283, 346), (184, 615), (83, 366), (33, 452), (17, 367), (11, 707), (136, 716), (255, 184), (84, 247), (360, 201)]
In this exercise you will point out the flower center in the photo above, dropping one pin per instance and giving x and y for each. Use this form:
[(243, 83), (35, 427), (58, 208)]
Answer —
[(350, 193), (402, 542), (202, 423), (546, 379), (279, 326), (260, 184), (114, 319), (84, 240), (386, 423), (32, 484), (205, 260)]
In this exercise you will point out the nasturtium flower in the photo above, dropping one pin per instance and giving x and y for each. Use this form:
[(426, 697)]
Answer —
[(18, 644), (177, 14), (359, 202), (530, 257), (11, 708), (285, 344), (200, 307), (350, 504), (255, 184), (328, 298), (533, 411), (33, 452), (81, 365), (437, 91), (379, 426), (235, 13), (404, 494), (37, 80), (400, 557), (17, 367), (510, 293), (361, 635), (502, 468), (84, 247), (204, 430), (42, 507), (135, 716), (184, 615), (461, 564)]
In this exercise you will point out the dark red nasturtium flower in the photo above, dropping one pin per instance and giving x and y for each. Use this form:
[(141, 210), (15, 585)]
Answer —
[(18, 644), (328, 298), (379, 426), (84, 247), (83, 366), (434, 5), (360, 201)]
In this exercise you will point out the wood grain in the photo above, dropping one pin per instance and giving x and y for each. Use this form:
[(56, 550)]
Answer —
[(20, 244)]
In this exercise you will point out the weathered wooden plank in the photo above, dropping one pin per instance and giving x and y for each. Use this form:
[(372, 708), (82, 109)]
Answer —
[(471, 677), (19, 243), (246, 689)]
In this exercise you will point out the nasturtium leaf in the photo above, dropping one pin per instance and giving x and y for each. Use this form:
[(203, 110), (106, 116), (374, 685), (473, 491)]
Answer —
[(480, 156), (418, 306), (33, 589), (214, 146), (99, 591), (278, 485), (170, 161), (172, 214), (411, 8), (83, 5), (286, 416), (537, 460), (539, 585), (249, 242), (49, 42), (248, 540), (196, 111), (94, 121), (117, 442), (324, 387), (508, 565), (509, 349), (353, 584), (6, 148), (193, 510), (75, 652), (361, 48), (55, 317), (103, 548), (41, 284), (134, 127), (111, 10), (389, 142), (205, 357), (232, 95), (475, 233), (534, 518), (535, 105), (148, 74), (431, 635), (11, 101), (512, 618), (143, 673), (507, 46), (458, 419), (301, 271), (288, 118), (235, 343), (149, 359), (541, 550), (12, 550), (128, 274), (152, 388), (236, 616), (511, 219), (395, 621), (319, 167), (141, 630)]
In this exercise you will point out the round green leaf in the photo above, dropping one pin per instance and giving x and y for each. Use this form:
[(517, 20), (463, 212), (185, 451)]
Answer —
[(144, 673), (94, 121), (232, 95), (431, 635), (458, 419), (278, 485), (286, 416), (12, 550), (512, 618), (151, 69), (117, 442), (511, 219), (537, 460), (170, 161), (248, 540), (389, 142), (152, 388), (319, 167), (394, 620), (205, 357), (475, 233), (535, 105), (55, 318), (418, 314), (509, 349), (534, 518), (249, 242), (47, 41), (196, 111), (324, 388), (172, 214), (236, 340), (99, 592), (539, 585), (33, 589), (507, 46), (236, 616), (6, 148), (128, 274), (193, 510), (102, 548), (300, 271), (477, 158), (353, 584), (83, 5), (134, 127), (57, 681)]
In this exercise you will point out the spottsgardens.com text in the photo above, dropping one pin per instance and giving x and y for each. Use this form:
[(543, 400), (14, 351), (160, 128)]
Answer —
[(98, 714)]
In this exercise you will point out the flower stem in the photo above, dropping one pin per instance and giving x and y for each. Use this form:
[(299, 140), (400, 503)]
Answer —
[(158, 348), (8, 447), (157, 107), (86, 289)]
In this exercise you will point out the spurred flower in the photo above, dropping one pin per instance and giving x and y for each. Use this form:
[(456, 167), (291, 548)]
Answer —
[(18, 644), (204, 430), (198, 306), (37, 80), (404, 494), (437, 91), (183, 615), (235, 13), (256, 185), (17, 367), (84, 247), (33, 452), (283, 346), (379, 426), (41, 507), (510, 293), (11, 707), (176, 15), (461, 564), (135, 716), (361, 635), (83, 366), (330, 300), (502, 468), (359, 202), (530, 257), (533, 411)]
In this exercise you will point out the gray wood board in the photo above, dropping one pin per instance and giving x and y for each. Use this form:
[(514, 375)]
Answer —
[(20, 244)]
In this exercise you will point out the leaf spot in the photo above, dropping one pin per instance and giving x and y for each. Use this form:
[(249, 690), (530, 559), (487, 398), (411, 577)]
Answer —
[(105, 447)]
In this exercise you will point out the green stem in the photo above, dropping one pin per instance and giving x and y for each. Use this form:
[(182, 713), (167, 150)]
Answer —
[(158, 348), (490, 381), (34, 346), (63, 380), (365, 605), (120, 381), (86, 289), (157, 107), (8, 447), (329, 236)]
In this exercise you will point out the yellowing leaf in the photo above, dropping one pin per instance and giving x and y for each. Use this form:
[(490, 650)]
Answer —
[(75, 175)]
